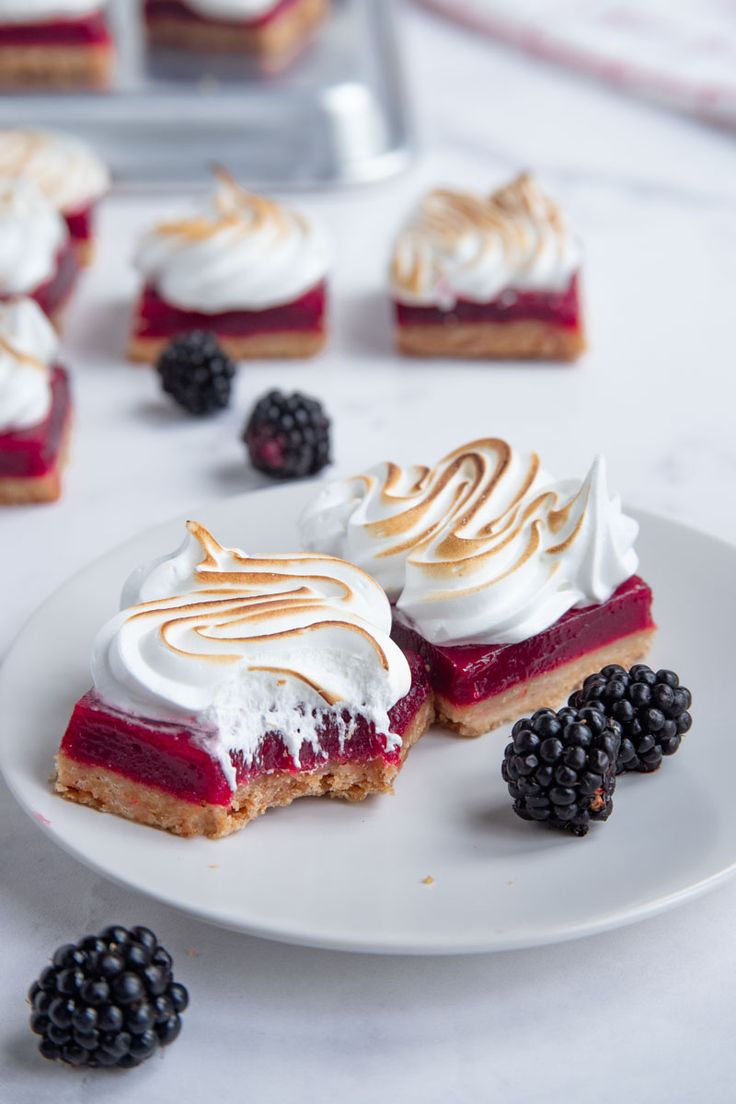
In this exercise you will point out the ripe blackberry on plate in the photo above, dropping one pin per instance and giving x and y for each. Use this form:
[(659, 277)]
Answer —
[(196, 372), (651, 707), (561, 767), (288, 436), (108, 1000)]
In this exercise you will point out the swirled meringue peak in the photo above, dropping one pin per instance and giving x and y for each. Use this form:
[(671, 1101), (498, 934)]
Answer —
[(249, 645), (461, 246), (28, 348), (67, 170), (32, 232), (243, 252), (485, 547)]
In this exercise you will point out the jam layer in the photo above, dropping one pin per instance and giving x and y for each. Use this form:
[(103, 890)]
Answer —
[(53, 294), (553, 308), (170, 756), (34, 452), (91, 30), (176, 9), (80, 223), (470, 673), (156, 318)]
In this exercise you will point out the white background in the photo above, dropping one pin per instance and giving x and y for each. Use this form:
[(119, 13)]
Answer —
[(647, 1013)]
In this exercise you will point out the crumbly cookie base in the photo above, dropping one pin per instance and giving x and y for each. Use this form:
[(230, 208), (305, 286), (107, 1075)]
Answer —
[(85, 252), (280, 37), (110, 792), (23, 492), (146, 350), (26, 491), (520, 340), (550, 689), (49, 67)]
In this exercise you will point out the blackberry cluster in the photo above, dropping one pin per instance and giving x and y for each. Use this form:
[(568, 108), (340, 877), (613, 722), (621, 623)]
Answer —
[(651, 707), (288, 436), (196, 372), (108, 1000), (561, 767)]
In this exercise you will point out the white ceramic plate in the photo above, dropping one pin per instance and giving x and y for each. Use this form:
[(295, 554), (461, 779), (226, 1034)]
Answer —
[(328, 874)]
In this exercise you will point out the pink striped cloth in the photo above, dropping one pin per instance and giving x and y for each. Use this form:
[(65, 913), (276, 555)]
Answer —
[(679, 52)]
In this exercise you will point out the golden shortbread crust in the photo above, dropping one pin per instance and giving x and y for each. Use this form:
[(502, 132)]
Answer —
[(85, 251), (146, 350), (113, 793), (279, 37), (547, 690), (520, 340), (53, 67), (25, 491)]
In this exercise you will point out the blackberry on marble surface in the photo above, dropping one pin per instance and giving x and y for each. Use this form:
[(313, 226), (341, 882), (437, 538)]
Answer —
[(107, 1000), (195, 371), (288, 436)]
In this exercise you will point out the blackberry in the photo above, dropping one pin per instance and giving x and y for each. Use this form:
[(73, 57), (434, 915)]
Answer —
[(651, 707), (288, 436), (561, 767), (108, 1000), (196, 372)]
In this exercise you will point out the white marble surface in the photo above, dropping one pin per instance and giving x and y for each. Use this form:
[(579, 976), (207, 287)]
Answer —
[(646, 1013)]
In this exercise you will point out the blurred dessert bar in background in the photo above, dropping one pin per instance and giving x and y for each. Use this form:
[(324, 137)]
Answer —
[(245, 268), (54, 44), (494, 276), (35, 406), (37, 258), (68, 172)]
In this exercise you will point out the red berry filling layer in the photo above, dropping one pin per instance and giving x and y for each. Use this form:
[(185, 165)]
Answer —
[(91, 30), (170, 756), (469, 673), (553, 308), (54, 292), (80, 223), (32, 453), (157, 318), (175, 9)]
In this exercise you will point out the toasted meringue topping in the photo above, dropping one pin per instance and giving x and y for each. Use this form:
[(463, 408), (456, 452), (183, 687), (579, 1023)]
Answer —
[(461, 246), (484, 547), (66, 170), (28, 348), (248, 645), (31, 234), (244, 252)]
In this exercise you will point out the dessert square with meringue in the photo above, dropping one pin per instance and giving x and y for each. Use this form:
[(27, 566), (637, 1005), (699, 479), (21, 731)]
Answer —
[(35, 406), (512, 584), (229, 683), (246, 268), (272, 31), (37, 258), (54, 44), (492, 277), (68, 172)]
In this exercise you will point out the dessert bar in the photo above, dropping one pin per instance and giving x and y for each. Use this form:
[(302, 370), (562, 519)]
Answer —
[(493, 276), (246, 268), (230, 683), (509, 582)]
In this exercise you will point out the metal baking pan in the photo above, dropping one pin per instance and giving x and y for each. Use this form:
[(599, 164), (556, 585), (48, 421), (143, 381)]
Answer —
[(337, 115)]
